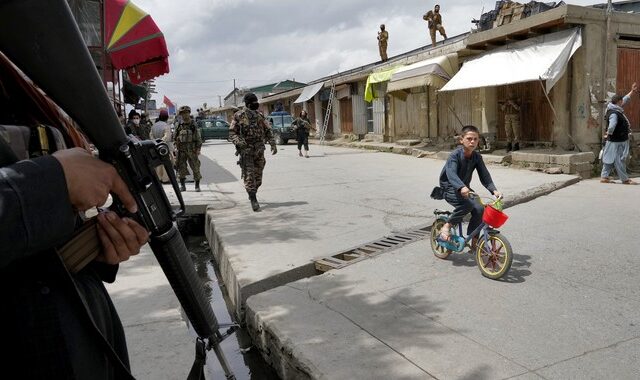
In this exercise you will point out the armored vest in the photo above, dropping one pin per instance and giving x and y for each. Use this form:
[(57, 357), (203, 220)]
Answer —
[(252, 127), (186, 134), (509, 109), (621, 133)]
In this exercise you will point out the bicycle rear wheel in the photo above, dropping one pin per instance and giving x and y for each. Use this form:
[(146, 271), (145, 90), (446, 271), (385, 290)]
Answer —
[(494, 256), (439, 251)]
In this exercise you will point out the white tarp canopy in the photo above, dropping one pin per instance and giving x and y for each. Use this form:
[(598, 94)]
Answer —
[(540, 58), (309, 92), (431, 72)]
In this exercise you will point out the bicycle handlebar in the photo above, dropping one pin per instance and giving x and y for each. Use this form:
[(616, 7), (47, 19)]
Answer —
[(474, 195)]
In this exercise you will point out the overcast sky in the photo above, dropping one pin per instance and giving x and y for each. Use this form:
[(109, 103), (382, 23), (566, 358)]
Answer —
[(212, 42)]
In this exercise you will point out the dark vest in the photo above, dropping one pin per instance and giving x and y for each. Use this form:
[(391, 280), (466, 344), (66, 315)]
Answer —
[(621, 132)]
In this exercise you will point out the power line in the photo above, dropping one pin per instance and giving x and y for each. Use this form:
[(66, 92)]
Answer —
[(162, 81)]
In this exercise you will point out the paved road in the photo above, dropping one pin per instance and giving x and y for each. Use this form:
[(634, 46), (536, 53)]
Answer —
[(570, 308), (318, 206)]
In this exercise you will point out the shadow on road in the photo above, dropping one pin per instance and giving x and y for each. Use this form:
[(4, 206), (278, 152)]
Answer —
[(519, 269), (463, 259), (212, 170)]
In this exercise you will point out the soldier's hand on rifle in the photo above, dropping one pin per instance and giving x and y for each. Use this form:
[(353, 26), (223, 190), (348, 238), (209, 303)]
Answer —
[(90, 180), (241, 145), (121, 238), (274, 149)]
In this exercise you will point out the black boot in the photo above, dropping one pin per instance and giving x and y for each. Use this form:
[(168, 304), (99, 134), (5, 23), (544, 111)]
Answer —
[(516, 146), (254, 201), (182, 185), (198, 186), (509, 147)]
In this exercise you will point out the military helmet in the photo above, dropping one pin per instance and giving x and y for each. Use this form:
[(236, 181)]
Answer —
[(186, 109)]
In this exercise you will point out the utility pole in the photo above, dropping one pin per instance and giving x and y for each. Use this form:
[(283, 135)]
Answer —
[(235, 101), (220, 100)]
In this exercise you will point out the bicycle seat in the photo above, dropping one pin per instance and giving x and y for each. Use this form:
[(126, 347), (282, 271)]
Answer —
[(441, 212)]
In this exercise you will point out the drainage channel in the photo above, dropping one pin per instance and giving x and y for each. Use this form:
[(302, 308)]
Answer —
[(245, 360), (371, 249)]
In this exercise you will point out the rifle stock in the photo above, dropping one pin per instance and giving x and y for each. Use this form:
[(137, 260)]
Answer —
[(43, 40)]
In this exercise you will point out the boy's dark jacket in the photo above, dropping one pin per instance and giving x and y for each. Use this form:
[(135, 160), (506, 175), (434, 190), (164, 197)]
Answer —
[(458, 171)]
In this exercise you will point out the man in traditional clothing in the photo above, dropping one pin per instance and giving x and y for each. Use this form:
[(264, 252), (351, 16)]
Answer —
[(616, 149)]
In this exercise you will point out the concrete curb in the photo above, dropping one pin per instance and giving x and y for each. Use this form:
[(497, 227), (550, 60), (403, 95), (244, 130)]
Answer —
[(236, 290), (546, 189)]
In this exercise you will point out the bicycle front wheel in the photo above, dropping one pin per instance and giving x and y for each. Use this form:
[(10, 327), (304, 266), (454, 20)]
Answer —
[(438, 250), (494, 256)]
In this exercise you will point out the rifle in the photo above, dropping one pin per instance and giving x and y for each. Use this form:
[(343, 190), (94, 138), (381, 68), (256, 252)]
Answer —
[(240, 162), (43, 40)]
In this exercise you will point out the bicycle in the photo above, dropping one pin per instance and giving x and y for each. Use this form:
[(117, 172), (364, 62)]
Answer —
[(493, 252)]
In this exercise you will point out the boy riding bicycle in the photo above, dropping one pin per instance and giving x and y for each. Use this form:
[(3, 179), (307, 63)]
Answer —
[(455, 180)]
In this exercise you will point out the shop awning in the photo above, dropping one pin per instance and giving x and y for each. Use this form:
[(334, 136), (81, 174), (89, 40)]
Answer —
[(378, 77), (309, 92), (134, 42), (431, 72), (540, 58)]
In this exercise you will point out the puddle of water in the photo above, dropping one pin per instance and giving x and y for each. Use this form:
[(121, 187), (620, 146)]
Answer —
[(245, 360)]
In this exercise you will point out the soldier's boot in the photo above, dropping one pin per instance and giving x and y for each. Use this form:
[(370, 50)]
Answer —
[(198, 186), (183, 187), (509, 147), (254, 201), (516, 146)]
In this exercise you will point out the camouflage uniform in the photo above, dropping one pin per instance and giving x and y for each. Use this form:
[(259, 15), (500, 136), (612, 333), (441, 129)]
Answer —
[(511, 109), (383, 38), (188, 142), (434, 22), (249, 132)]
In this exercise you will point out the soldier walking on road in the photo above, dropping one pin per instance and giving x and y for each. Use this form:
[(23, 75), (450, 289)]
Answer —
[(302, 126), (434, 22), (383, 38), (188, 143), (249, 132)]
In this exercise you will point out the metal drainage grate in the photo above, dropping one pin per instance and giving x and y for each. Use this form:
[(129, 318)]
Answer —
[(372, 249)]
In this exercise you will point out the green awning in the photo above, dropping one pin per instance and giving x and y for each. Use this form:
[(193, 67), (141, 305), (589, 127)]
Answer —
[(133, 92), (381, 76)]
